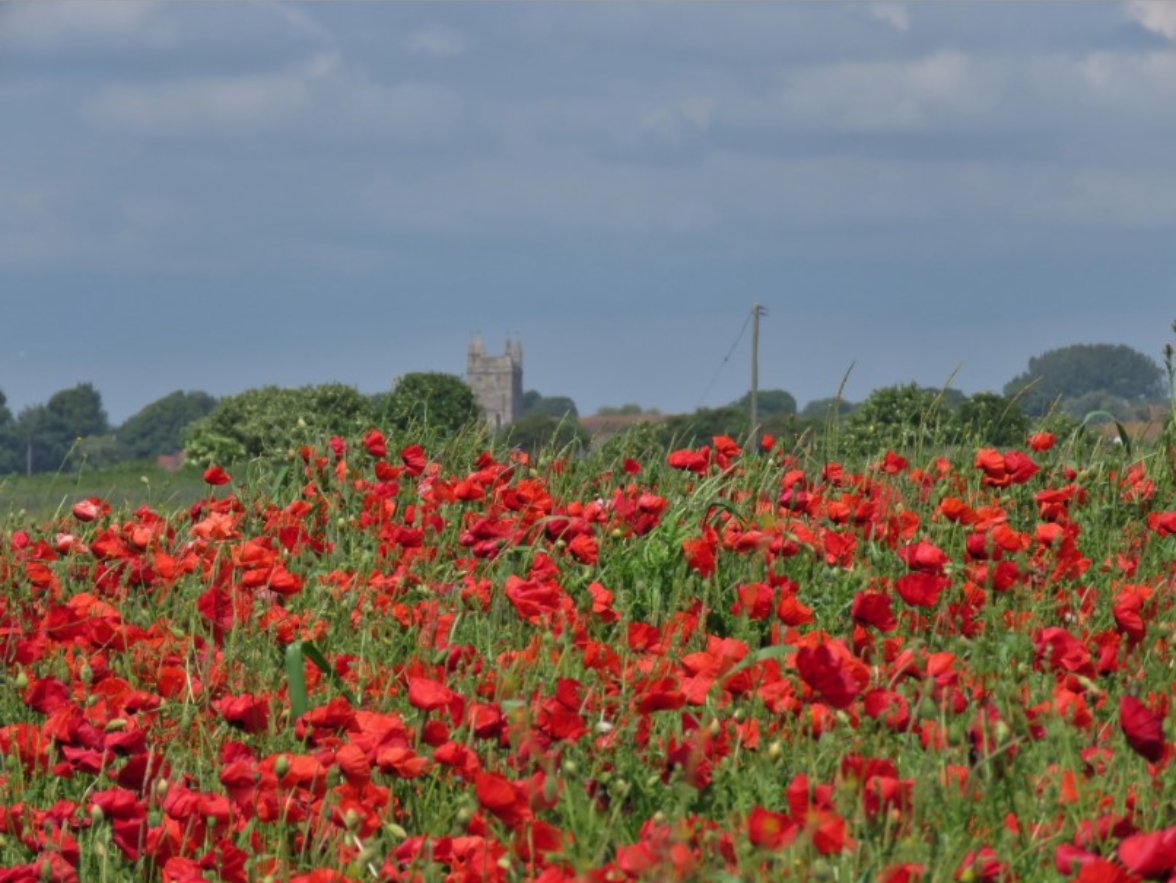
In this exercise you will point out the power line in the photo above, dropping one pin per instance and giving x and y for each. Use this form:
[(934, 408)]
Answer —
[(726, 359)]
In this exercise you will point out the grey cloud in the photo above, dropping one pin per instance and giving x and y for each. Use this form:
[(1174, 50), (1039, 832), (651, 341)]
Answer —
[(894, 14), (200, 106), (1158, 16), (49, 26), (320, 98), (436, 40)]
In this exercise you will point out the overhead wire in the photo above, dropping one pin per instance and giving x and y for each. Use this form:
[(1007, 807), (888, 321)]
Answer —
[(726, 359)]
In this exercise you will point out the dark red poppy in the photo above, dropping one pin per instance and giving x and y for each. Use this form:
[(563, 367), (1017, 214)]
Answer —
[(1143, 728), (873, 609), (247, 712), (828, 675)]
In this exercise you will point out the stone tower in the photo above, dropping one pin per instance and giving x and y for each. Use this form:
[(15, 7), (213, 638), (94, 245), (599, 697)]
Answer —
[(497, 381)]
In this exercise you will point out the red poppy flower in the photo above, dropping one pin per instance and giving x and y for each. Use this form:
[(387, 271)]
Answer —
[(216, 475), (770, 830), (1150, 855), (90, 508), (506, 799), (700, 552), (982, 865), (584, 549), (873, 609), (1042, 441), (373, 440), (414, 459), (827, 674), (920, 589), (602, 600), (1099, 870), (908, 872), (428, 695), (1162, 523), (693, 461), (1143, 729), (924, 556), (248, 712)]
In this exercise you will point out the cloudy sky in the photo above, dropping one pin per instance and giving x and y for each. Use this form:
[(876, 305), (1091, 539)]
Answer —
[(219, 196)]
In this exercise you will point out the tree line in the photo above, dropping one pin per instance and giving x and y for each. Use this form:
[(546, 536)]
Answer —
[(71, 429)]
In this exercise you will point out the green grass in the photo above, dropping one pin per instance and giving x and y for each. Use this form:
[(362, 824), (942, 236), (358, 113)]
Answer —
[(126, 486)]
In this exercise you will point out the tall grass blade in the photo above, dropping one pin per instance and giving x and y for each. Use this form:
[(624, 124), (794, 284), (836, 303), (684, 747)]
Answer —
[(295, 661)]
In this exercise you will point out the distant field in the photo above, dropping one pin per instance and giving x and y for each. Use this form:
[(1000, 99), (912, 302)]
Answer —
[(128, 485)]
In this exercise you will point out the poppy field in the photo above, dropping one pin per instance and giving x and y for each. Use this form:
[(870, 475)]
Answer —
[(377, 661)]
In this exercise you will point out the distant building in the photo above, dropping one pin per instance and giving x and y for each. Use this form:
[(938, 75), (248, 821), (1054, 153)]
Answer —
[(497, 382)]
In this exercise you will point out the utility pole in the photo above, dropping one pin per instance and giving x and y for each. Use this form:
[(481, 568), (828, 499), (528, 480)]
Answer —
[(756, 312)]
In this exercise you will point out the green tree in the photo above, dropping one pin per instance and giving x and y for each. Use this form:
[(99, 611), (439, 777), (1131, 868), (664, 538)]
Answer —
[(270, 421), (900, 417), (51, 432), (629, 409), (10, 459), (820, 409), (700, 426), (78, 411), (991, 419), (98, 452), (1100, 400), (539, 432), (769, 402), (431, 402), (1071, 372), (549, 406), (158, 427)]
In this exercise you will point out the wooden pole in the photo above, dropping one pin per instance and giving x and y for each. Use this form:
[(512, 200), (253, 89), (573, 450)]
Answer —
[(756, 311)]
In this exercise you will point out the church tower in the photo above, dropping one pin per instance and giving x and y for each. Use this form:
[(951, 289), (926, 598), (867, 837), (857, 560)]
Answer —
[(497, 381)]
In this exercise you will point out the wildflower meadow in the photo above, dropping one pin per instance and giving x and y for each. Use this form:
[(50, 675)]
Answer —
[(382, 659)]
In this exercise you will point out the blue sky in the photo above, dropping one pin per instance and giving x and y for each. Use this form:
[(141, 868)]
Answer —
[(220, 196)]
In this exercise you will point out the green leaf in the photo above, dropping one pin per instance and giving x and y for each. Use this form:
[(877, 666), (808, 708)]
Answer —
[(295, 681), (312, 653), (773, 652)]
